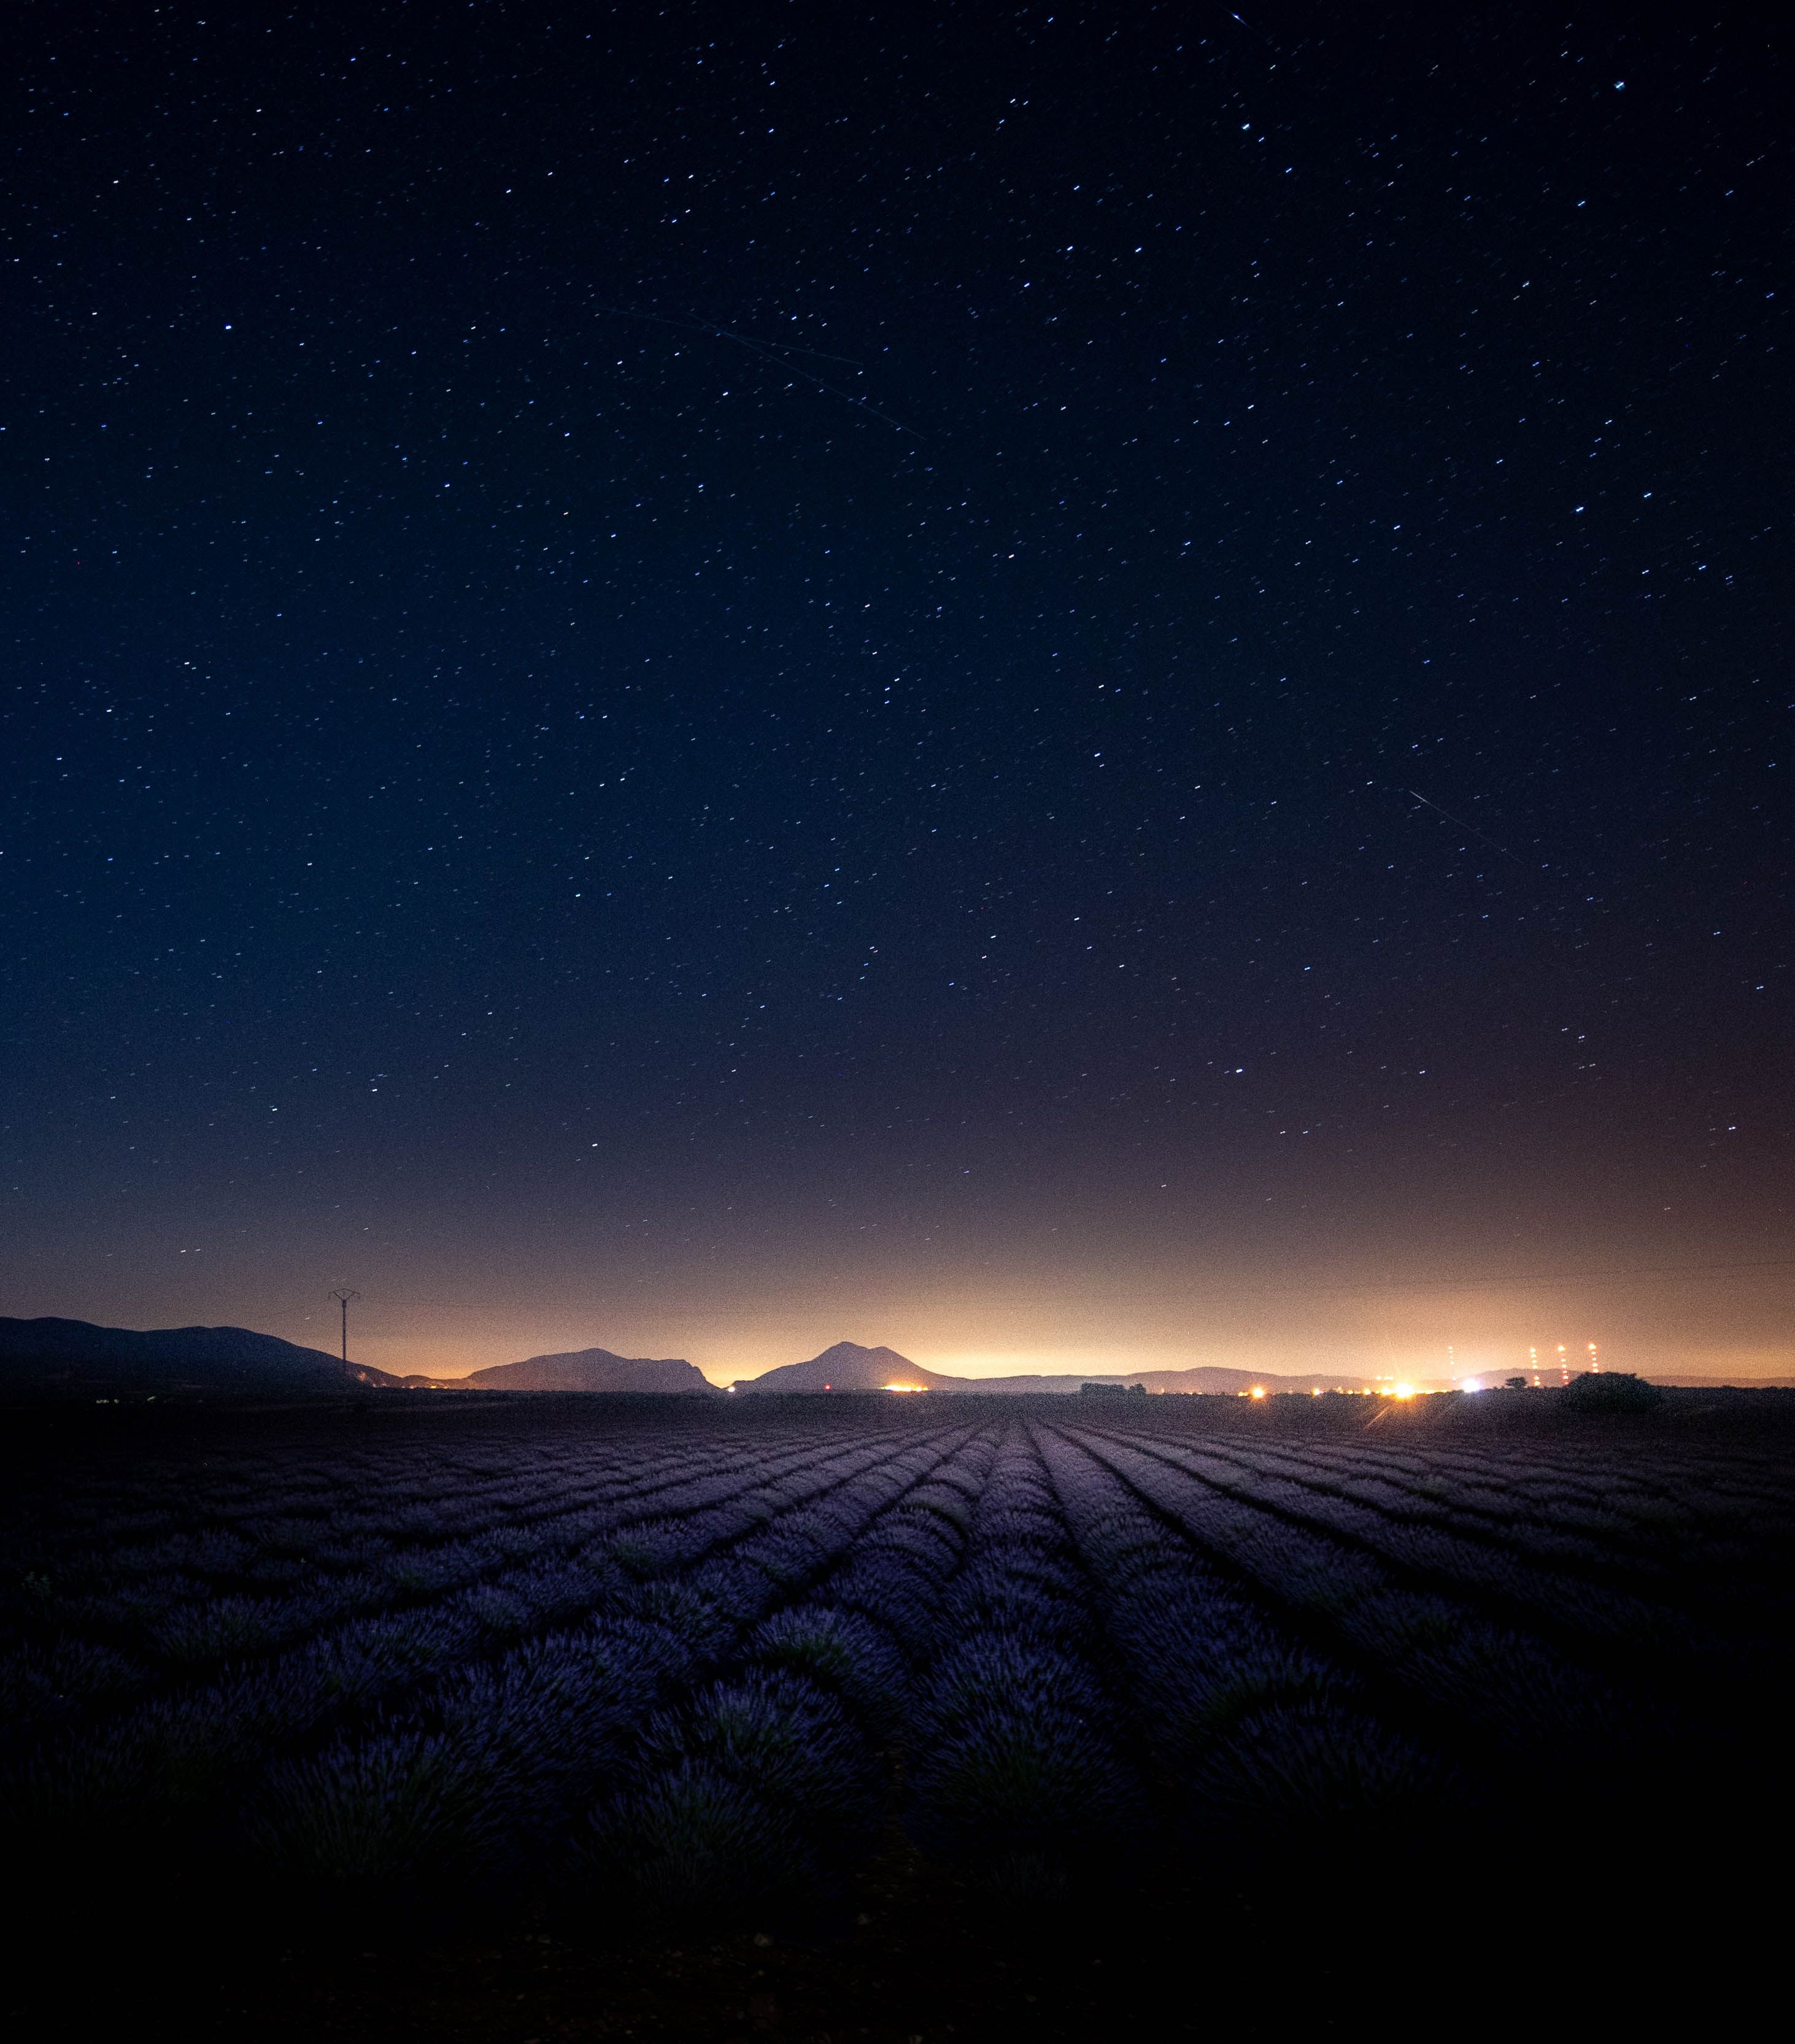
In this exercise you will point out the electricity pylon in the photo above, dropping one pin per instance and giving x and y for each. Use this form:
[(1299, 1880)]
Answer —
[(343, 1296)]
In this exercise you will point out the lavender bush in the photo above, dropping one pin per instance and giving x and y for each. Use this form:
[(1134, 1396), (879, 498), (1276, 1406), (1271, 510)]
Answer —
[(710, 1666)]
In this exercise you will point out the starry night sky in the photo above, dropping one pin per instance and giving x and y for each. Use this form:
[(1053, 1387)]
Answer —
[(1093, 685)]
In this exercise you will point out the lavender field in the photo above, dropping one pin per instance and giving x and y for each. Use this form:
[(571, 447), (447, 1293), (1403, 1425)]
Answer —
[(710, 1664)]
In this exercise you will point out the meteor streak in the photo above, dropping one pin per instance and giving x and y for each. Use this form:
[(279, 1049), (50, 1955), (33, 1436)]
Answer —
[(1464, 826)]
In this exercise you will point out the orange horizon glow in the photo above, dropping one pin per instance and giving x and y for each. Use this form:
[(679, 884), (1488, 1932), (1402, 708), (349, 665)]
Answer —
[(743, 1361), (1066, 1331), (1093, 1317), (403, 1356)]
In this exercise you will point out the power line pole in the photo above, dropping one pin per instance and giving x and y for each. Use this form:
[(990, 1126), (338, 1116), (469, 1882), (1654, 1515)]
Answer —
[(343, 1297)]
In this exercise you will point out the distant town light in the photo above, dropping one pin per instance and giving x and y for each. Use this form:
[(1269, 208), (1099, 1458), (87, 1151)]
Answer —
[(1258, 1391), (1472, 1384), (900, 1387)]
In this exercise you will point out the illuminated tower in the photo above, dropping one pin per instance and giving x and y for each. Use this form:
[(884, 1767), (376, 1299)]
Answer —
[(1564, 1365), (1595, 1366), (1533, 1364)]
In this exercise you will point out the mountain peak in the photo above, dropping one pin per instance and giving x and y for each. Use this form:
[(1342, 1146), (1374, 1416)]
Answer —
[(848, 1366), (592, 1369), (847, 1351)]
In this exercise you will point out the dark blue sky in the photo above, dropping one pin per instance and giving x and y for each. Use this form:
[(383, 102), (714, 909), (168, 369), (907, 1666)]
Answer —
[(886, 672)]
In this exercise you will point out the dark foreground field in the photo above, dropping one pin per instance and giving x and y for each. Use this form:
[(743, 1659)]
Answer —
[(884, 1718)]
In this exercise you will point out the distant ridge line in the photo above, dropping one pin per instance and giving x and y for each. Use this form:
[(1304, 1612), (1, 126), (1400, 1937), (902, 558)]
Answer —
[(62, 1358)]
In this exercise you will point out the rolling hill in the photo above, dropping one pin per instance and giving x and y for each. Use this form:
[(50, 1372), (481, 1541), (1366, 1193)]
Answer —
[(65, 1357), (849, 1367), (592, 1369)]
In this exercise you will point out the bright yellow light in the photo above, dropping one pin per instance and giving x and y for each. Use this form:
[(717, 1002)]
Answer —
[(1316, 1394), (1258, 1391), (1405, 1391), (906, 1387)]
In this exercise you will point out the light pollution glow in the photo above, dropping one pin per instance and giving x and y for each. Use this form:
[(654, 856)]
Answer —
[(1421, 1336), (1003, 1301), (1109, 1328)]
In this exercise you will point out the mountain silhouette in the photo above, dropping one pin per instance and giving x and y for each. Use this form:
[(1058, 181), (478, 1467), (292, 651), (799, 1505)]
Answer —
[(65, 1359), (849, 1367), (591, 1370), (69, 1356)]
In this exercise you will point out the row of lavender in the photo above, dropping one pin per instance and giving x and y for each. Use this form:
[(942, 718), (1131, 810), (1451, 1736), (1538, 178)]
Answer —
[(1149, 1647), (190, 1570), (696, 1674), (469, 1718), (1342, 1644), (1687, 1563)]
